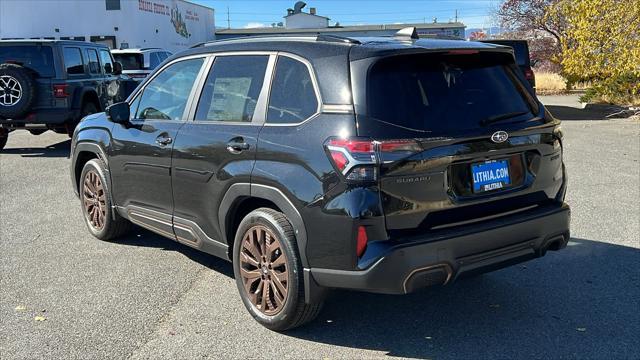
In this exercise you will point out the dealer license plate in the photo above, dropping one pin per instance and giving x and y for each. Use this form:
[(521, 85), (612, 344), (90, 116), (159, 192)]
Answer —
[(490, 175)]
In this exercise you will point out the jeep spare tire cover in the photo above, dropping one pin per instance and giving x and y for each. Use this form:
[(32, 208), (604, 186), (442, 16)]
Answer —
[(17, 90)]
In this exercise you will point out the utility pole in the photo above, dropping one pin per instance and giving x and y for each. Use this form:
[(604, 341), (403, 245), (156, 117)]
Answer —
[(228, 20), (456, 15)]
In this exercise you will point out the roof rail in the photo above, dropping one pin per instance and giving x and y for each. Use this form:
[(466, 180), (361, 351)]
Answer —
[(408, 33), (440, 36), (337, 38)]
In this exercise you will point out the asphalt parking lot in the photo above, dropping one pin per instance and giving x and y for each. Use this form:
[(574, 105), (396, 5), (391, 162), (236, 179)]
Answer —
[(64, 294)]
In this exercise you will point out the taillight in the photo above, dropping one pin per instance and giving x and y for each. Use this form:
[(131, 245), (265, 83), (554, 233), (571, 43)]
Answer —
[(358, 159), (354, 158), (361, 241), (60, 90)]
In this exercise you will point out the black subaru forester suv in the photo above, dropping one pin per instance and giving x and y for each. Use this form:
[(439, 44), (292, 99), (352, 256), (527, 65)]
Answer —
[(377, 164)]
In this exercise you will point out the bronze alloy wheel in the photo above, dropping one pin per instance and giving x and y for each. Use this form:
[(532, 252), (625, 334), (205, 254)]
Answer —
[(94, 201), (264, 271)]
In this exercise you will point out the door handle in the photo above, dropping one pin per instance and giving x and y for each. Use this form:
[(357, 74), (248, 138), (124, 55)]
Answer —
[(237, 145), (164, 140)]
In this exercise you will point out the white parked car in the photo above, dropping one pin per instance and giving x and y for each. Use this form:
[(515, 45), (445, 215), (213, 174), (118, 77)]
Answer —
[(138, 63)]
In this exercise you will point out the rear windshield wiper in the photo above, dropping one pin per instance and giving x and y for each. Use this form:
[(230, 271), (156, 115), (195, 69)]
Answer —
[(496, 118)]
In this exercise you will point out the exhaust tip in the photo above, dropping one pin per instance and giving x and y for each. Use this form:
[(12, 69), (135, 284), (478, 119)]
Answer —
[(439, 274)]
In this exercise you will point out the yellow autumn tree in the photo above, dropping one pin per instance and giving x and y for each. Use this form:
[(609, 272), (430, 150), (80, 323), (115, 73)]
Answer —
[(601, 44)]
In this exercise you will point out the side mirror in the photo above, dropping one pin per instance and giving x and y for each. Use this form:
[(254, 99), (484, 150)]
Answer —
[(118, 113), (117, 68)]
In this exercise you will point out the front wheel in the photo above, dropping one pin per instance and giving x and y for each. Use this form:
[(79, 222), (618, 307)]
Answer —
[(268, 271), (96, 203)]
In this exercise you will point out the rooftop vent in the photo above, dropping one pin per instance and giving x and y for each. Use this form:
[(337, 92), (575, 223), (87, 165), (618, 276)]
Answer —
[(297, 8)]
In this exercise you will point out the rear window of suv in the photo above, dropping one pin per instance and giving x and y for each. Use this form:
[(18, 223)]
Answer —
[(445, 94), (38, 58), (130, 61)]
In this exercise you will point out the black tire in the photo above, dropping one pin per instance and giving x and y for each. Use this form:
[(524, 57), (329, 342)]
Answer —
[(88, 108), (37, 131), (293, 311), (4, 136), (110, 227), (17, 90)]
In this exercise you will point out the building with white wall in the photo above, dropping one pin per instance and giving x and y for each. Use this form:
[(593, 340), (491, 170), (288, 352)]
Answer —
[(298, 19), (298, 22), (170, 24)]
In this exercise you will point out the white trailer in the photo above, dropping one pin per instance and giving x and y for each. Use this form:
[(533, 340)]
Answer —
[(169, 24)]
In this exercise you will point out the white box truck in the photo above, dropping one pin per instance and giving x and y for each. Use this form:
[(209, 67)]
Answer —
[(173, 25)]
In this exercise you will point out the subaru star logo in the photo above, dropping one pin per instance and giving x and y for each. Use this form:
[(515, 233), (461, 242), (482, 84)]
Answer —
[(499, 136)]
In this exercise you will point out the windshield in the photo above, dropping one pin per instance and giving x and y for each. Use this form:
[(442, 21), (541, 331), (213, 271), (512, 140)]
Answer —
[(444, 94), (131, 61), (38, 58)]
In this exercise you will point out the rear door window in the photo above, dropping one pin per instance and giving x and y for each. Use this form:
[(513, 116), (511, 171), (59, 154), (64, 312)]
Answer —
[(93, 62), (232, 88), (73, 61), (129, 61), (293, 97), (445, 94), (38, 58)]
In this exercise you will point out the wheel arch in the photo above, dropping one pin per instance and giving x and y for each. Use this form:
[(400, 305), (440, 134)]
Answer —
[(242, 198), (85, 94), (83, 153)]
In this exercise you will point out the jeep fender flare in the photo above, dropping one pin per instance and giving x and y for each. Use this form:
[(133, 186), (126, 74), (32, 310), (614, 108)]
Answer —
[(80, 93), (244, 190)]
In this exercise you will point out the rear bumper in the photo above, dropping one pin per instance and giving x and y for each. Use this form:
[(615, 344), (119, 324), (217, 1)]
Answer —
[(42, 117), (440, 259)]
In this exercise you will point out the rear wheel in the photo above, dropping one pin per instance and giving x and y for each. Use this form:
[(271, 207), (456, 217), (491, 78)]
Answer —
[(88, 108), (37, 131), (268, 271), (96, 203)]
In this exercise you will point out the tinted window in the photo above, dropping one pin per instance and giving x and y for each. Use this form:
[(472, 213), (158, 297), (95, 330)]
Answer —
[(131, 61), (293, 98), (36, 58), (107, 63), (154, 60), (232, 88), (165, 97), (112, 4), (520, 50), (444, 94), (521, 53), (73, 61), (92, 59)]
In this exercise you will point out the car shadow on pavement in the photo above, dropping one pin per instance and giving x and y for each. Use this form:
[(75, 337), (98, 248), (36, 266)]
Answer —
[(144, 238), (61, 149), (580, 302), (590, 112)]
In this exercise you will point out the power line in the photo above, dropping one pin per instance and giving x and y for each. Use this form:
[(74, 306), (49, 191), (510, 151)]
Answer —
[(364, 13)]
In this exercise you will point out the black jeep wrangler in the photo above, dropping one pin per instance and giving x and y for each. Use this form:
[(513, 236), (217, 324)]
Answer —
[(383, 165), (51, 85)]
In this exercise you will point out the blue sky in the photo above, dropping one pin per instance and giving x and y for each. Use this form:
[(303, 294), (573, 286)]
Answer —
[(252, 13)]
